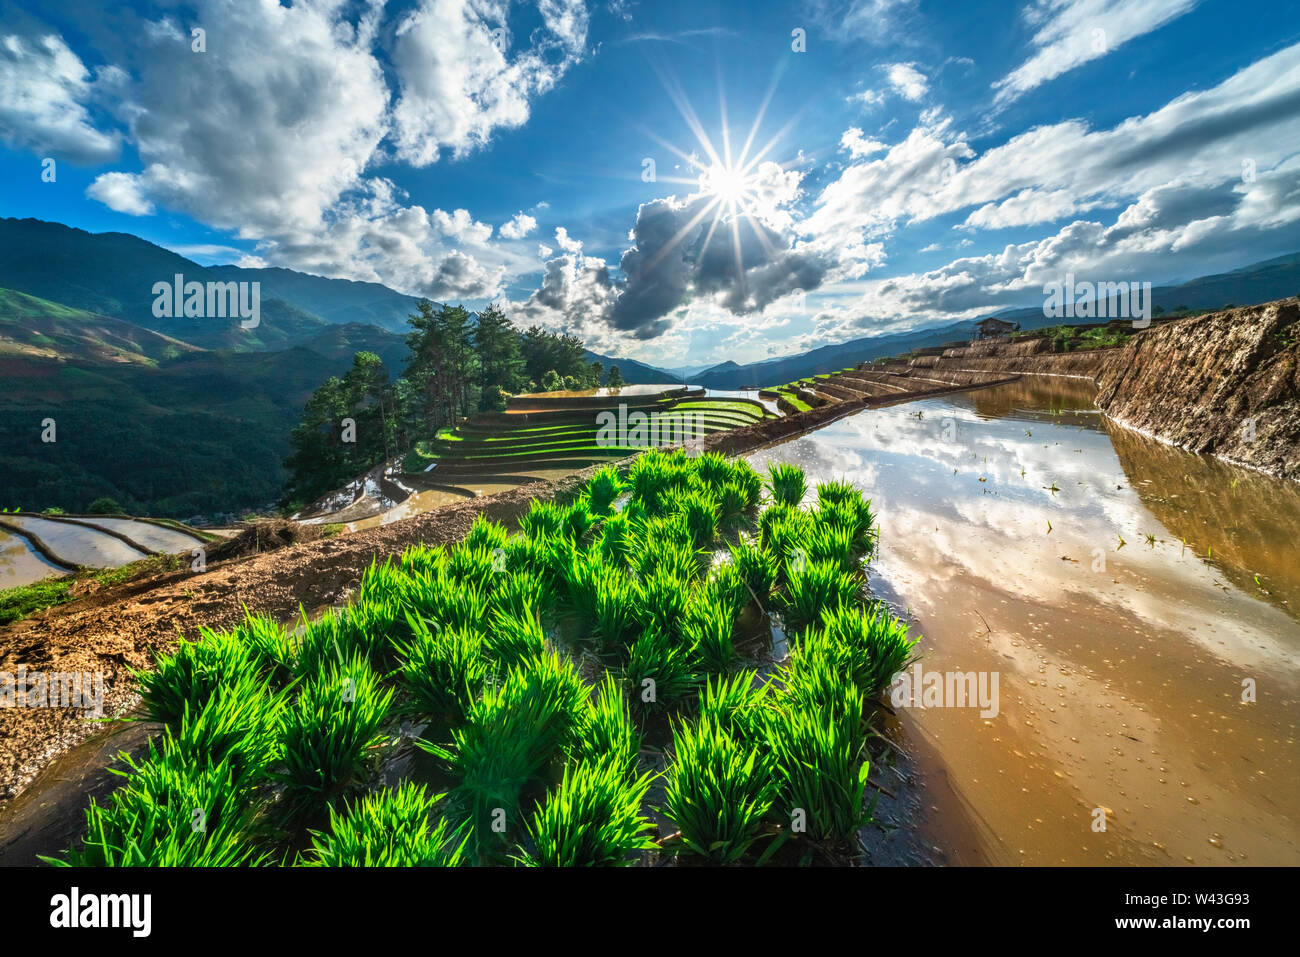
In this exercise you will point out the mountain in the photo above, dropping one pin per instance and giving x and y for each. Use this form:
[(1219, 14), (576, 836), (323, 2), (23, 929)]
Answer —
[(633, 372), (113, 274), (34, 327), (1259, 282)]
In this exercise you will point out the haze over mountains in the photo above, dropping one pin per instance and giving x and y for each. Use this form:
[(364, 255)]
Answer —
[(188, 417)]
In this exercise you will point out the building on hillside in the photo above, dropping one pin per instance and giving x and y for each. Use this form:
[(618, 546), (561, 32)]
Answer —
[(993, 328)]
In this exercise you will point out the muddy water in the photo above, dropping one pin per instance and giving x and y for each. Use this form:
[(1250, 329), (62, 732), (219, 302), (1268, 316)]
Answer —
[(79, 544), (1014, 527), (151, 536), (20, 564)]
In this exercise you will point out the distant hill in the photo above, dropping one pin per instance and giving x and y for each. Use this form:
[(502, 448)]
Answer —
[(633, 372), (30, 326), (113, 274)]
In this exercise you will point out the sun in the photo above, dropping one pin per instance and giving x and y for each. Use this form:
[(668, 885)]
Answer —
[(734, 187)]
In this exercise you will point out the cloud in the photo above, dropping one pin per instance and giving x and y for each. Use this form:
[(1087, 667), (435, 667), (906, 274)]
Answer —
[(519, 226), (121, 192), (461, 227), (1069, 33), (858, 145), (565, 243), (907, 81), (44, 92)]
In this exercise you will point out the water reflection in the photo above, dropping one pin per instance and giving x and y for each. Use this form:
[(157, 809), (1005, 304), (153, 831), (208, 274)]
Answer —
[(1014, 524)]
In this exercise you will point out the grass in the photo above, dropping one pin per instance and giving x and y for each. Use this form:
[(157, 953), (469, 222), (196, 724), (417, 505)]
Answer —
[(23, 601), (573, 682)]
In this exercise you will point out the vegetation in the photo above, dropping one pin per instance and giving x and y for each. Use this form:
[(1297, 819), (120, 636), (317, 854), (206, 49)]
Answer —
[(574, 682)]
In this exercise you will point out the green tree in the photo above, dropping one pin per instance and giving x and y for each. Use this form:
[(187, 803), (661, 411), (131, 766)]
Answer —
[(500, 359), (615, 380)]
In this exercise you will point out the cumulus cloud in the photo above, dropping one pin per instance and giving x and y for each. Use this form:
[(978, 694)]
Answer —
[(519, 226), (121, 192), (907, 81), (45, 90), (1069, 33), (460, 226)]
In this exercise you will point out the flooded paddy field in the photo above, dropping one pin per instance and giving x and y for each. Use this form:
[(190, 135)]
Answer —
[(1137, 605)]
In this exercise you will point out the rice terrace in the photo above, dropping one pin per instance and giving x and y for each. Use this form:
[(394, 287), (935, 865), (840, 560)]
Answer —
[(680, 437)]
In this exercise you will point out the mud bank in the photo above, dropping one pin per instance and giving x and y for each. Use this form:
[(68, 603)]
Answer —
[(1225, 384)]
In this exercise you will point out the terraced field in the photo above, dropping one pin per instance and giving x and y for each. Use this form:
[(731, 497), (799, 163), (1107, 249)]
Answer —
[(544, 436), (879, 381)]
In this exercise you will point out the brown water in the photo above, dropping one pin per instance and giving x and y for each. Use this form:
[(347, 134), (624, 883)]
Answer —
[(20, 564), (1014, 526), (79, 544)]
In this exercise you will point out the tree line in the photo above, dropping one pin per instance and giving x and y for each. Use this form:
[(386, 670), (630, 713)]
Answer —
[(460, 363)]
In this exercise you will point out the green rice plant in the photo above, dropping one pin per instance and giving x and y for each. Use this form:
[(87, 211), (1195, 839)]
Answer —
[(611, 736), (757, 567), (515, 732), (387, 829), (814, 586), (581, 572), (603, 487), (544, 519), (660, 600), (750, 482), (592, 819), (737, 704), (837, 491), (649, 480), (714, 469), (817, 680), (446, 602), (443, 671), (486, 534), (616, 539), (726, 585), (787, 484), (238, 723), (423, 559), (875, 645), (820, 773), (732, 503), (700, 511), (511, 638), (518, 593), (707, 628), (615, 610), (172, 811), (718, 791), (666, 557), (853, 512), (476, 566), (536, 556), (370, 626), (577, 521), (269, 645), (782, 528), (659, 669), (328, 733), (187, 678), (832, 543)]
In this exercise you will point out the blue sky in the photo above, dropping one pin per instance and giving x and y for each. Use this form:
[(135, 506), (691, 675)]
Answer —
[(920, 161)]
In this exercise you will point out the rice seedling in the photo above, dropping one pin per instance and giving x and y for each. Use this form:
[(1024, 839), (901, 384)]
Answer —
[(603, 487), (444, 671), (577, 521), (757, 567), (811, 588), (750, 482), (423, 559), (726, 585), (486, 534), (535, 556), (700, 511), (187, 678), (611, 736), (328, 733), (615, 606), (737, 704), (592, 819), (714, 469), (513, 735), (816, 680), (387, 829), (820, 774), (512, 638), (238, 723), (707, 627), (836, 491), (840, 503), (543, 519), (173, 811), (659, 670), (474, 566), (660, 553), (448, 603), (518, 594), (732, 503), (874, 643), (270, 647), (660, 600), (649, 480), (832, 543), (718, 792), (787, 484), (616, 539), (369, 627)]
